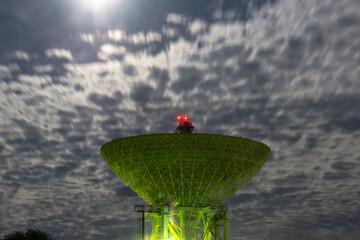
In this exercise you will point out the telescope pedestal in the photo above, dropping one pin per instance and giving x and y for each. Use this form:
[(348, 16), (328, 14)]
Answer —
[(185, 223)]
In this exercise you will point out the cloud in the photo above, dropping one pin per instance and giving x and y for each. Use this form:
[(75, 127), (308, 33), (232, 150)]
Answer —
[(175, 18), (58, 53), (169, 31), (197, 26), (5, 71), (20, 55), (108, 51), (44, 68), (116, 35)]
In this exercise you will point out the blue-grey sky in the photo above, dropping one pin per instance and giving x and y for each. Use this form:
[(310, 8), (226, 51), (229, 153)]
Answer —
[(75, 74)]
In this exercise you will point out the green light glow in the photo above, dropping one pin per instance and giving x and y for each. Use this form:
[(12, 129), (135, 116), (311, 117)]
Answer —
[(185, 170)]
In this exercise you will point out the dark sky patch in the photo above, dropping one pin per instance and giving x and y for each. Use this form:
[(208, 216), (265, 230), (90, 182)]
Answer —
[(125, 192), (333, 176), (142, 94), (79, 88), (61, 171), (188, 78), (161, 76), (343, 166), (349, 125), (105, 102), (130, 70), (30, 175)]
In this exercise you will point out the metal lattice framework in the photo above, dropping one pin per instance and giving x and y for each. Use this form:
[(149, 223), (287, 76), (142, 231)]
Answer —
[(186, 223), (188, 170)]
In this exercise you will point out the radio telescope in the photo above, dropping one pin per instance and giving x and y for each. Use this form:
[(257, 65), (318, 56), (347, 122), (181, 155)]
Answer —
[(185, 177)]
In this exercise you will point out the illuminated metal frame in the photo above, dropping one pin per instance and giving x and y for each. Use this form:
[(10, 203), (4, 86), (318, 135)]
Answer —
[(185, 223)]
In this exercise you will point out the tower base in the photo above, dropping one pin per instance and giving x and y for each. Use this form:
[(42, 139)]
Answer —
[(184, 223)]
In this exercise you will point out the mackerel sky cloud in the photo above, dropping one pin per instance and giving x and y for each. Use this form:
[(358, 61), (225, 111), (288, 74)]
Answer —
[(74, 76)]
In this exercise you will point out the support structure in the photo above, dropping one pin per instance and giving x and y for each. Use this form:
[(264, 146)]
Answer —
[(185, 223)]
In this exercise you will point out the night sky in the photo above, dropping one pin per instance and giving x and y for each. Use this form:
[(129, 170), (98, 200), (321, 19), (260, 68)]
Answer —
[(75, 74)]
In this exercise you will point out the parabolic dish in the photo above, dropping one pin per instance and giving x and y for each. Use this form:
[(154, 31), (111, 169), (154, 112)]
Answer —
[(185, 169)]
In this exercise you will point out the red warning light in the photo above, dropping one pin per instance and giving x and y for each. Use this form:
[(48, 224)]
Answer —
[(185, 118), (178, 117)]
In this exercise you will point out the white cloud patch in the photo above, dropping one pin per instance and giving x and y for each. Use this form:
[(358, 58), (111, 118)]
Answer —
[(87, 37), (20, 55), (116, 35), (107, 51), (13, 67), (44, 68), (197, 26), (138, 38), (169, 31), (35, 81), (9, 69), (176, 18), (59, 53), (153, 37), (4, 71), (141, 38)]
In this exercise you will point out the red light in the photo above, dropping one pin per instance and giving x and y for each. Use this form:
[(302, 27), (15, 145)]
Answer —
[(185, 118), (178, 117)]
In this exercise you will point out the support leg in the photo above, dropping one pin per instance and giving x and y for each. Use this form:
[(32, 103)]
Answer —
[(226, 227)]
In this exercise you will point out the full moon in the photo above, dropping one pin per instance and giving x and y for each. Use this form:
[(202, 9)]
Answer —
[(98, 5)]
